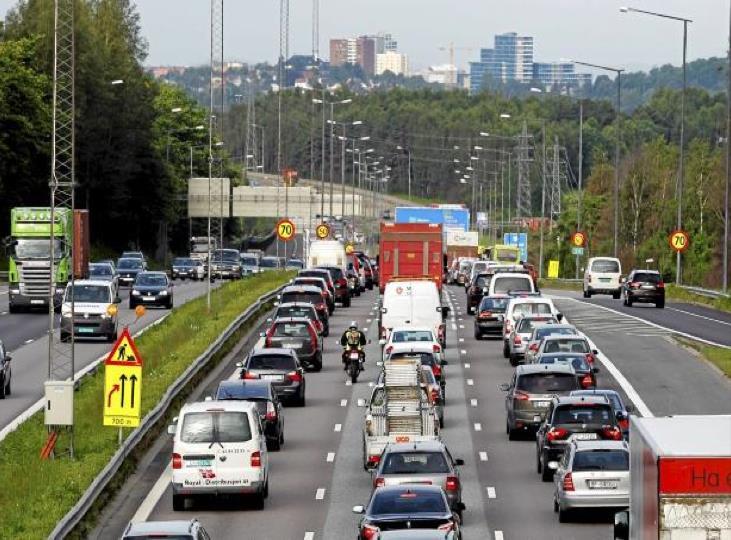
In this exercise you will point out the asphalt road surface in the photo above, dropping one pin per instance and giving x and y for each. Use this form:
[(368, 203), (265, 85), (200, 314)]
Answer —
[(318, 475)]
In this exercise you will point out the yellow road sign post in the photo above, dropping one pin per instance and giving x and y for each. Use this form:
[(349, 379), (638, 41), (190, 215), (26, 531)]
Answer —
[(123, 384), (553, 269)]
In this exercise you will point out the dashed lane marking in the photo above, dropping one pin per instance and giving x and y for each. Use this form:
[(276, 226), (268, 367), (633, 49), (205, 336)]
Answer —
[(491, 492), (699, 316), (461, 340), (499, 535), (343, 402), (478, 426), (338, 428), (348, 383), (470, 382), (454, 326), (320, 494), (467, 365), (473, 402), (309, 535), (330, 457), (483, 456), (461, 325)]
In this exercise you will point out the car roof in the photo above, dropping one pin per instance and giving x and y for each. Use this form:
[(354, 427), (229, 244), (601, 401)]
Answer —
[(296, 304), (417, 446), (272, 350), (301, 288), (581, 400), (644, 271), (231, 384), (424, 488), (412, 346), (554, 337), (128, 259), (96, 282), (600, 445), (530, 300), (153, 273), (529, 369), (101, 263), (415, 534), (145, 528), (411, 329), (594, 392), (291, 320), (217, 406), (300, 276)]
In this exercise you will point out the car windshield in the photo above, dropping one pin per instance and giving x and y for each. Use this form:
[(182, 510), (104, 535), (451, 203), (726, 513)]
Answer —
[(336, 273), (182, 262), (295, 311), (482, 281), (242, 391), (272, 361), (315, 282), (227, 255), (543, 331), (249, 261), (546, 383), (407, 501), (415, 463), (130, 264), (531, 308), (151, 280), (403, 336), (601, 460), (576, 345), (646, 277), (215, 426), (505, 284), (605, 266), (583, 414), (32, 248), (309, 297), (100, 270), (578, 362), (526, 326), (91, 294), (298, 330), (269, 262), (495, 305)]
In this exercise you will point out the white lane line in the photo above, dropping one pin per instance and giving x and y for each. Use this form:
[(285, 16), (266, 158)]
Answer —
[(368, 320), (348, 383), (154, 495), (478, 426), (338, 428), (320, 494), (463, 351), (470, 382), (467, 365), (498, 535), (3, 312), (473, 402), (461, 340), (483, 456), (699, 316), (460, 319), (28, 341), (330, 457), (461, 325), (309, 535), (491, 492), (454, 326), (343, 402)]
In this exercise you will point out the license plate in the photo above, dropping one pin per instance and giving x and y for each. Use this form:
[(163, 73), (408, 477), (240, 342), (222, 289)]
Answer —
[(585, 436), (603, 484), (84, 330), (647, 287), (198, 463), (291, 345), (148, 298), (402, 439), (354, 356), (37, 302), (605, 279), (273, 377), (541, 404)]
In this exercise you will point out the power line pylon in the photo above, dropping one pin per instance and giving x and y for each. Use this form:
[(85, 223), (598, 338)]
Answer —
[(523, 191)]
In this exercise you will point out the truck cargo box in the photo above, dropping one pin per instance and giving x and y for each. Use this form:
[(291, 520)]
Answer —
[(411, 251), (82, 245)]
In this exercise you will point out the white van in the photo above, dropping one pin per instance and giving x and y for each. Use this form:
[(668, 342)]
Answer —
[(413, 303), (326, 253), (510, 282), (603, 276), (219, 448)]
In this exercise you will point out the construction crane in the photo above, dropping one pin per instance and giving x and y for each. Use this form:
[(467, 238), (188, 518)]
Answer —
[(451, 48)]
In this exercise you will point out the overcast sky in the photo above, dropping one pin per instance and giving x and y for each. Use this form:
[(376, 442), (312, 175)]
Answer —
[(589, 30)]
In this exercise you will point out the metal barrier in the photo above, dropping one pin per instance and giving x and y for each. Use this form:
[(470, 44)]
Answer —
[(77, 513), (710, 293)]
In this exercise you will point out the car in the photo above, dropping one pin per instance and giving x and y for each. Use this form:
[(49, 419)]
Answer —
[(104, 272), (340, 284), (321, 284), (175, 530), (591, 474), (477, 267), (270, 263), (511, 283), (6, 373), (490, 314), (522, 331), (602, 276), (573, 417), (185, 267), (302, 309), (226, 263), (306, 293), (291, 264), (565, 343), (92, 314), (151, 289), (299, 335), (281, 367), (521, 306), (409, 335), (414, 534), (476, 290), (529, 393), (585, 372), (644, 286), (540, 332), (424, 462), (621, 411), (417, 303), (128, 268), (267, 403), (429, 353), (250, 263), (323, 273), (135, 255), (367, 269), (219, 448), (411, 506), (464, 271)]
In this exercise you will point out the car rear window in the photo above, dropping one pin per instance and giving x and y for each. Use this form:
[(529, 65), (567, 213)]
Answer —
[(546, 383), (408, 502), (526, 326), (310, 281), (495, 305), (336, 273), (271, 361), (249, 261), (548, 330), (578, 362), (291, 330), (607, 267), (505, 284), (295, 312), (310, 297), (482, 281), (404, 336), (583, 414), (531, 308), (577, 345), (601, 460), (644, 277), (216, 426), (242, 391), (415, 463)]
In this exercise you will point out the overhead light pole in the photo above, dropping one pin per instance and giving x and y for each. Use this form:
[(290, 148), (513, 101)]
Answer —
[(407, 151)]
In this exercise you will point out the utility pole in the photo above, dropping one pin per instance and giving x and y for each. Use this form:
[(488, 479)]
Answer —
[(332, 164), (342, 174), (728, 164), (315, 31), (524, 188), (220, 120), (555, 194), (581, 178), (543, 200)]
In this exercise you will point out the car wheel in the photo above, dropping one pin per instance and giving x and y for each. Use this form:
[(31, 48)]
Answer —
[(629, 301), (112, 337), (7, 390), (346, 303), (266, 489), (274, 445), (513, 360), (587, 293), (546, 471), (506, 350), (3, 389), (170, 304), (539, 467), (660, 305), (259, 501), (131, 305), (512, 435), (65, 337), (301, 398), (563, 516), (555, 504), (13, 309), (326, 331), (478, 335), (178, 503), (615, 295), (318, 365)]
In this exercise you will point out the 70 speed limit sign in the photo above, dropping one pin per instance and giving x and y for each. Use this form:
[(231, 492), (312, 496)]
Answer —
[(679, 240), (285, 230)]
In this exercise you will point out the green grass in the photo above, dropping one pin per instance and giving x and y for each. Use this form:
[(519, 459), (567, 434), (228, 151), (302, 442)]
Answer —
[(718, 356), (37, 494), (558, 284), (676, 293)]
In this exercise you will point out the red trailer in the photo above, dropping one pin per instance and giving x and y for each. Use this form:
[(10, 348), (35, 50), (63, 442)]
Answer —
[(81, 244), (411, 250)]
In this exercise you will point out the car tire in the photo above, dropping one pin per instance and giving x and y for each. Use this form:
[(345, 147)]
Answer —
[(512, 434), (629, 301), (506, 350), (112, 336), (326, 331), (555, 505), (258, 502), (513, 360), (478, 335), (13, 309), (616, 295), (8, 390), (546, 472), (170, 304), (318, 363), (300, 401), (273, 445), (266, 489), (346, 302), (563, 516), (65, 337), (3, 389), (660, 305), (587, 293), (132, 305), (539, 467), (178, 503)]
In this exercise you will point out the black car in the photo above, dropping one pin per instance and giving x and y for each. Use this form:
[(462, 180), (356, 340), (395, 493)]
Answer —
[(490, 315), (267, 403), (151, 289), (280, 367), (302, 309), (226, 264), (323, 273), (5, 374), (340, 283), (306, 293), (414, 506), (476, 290), (644, 286), (128, 268), (621, 411), (583, 417), (321, 284)]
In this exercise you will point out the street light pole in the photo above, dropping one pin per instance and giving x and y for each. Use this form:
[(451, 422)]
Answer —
[(728, 164), (581, 178)]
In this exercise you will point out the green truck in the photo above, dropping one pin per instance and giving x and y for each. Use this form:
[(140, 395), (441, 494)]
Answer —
[(29, 264)]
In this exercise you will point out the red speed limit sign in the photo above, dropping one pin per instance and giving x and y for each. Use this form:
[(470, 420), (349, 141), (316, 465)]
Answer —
[(285, 230), (679, 240)]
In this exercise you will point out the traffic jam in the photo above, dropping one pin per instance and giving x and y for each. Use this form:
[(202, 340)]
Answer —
[(442, 311)]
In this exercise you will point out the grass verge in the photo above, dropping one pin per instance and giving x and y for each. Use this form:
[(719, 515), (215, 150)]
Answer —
[(559, 284), (39, 493), (718, 356), (683, 295)]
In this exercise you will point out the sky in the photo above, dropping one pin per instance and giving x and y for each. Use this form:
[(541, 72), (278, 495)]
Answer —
[(589, 30)]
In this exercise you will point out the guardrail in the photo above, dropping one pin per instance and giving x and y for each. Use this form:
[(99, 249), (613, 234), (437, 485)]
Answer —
[(67, 524), (710, 293)]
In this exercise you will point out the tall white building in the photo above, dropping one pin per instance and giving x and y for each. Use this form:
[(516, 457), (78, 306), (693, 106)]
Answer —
[(394, 62)]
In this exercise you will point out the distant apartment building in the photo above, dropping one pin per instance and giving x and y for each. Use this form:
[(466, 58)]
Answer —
[(394, 62), (559, 74), (362, 51)]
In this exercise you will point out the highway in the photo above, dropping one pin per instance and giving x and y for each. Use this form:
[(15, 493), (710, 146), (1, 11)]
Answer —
[(318, 476), (24, 334)]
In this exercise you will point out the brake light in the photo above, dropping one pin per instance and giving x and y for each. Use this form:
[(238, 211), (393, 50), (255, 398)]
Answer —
[(256, 459), (383, 332), (624, 424), (370, 532), (590, 358), (379, 482), (437, 370), (556, 434), (521, 396), (436, 348), (177, 461), (440, 331), (373, 460), (269, 334), (449, 526), (271, 415), (434, 395), (389, 349), (294, 376), (517, 340), (568, 482), (661, 285), (249, 375), (313, 337), (533, 347), (452, 483), (612, 433), (485, 313), (321, 306), (586, 381)]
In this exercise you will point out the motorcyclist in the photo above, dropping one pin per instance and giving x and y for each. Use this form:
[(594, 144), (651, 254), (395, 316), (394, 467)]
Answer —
[(352, 338)]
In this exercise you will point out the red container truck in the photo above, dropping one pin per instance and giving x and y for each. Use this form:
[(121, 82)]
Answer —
[(680, 479), (81, 244), (411, 251)]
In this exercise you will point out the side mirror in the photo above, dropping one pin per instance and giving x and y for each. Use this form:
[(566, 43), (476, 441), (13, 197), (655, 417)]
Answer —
[(446, 310), (117, 300), (559, 316), (171, 429), (382, 342), (595, 370), (379, 363), (444, 362), (553, 465), (595, 352), (262, 334), (208, 398), (8, 358), (620, 415), (359, 509), (460, 507), (239, 364), (276, 304), (623, 280), (621, 525), (629, 408), (384, 310), (269, 319), (504, 387), (458, 462)]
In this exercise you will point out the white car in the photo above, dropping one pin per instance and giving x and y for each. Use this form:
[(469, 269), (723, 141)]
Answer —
[(413, 303), (520, 307), (603, 276), (94, 313), (407, 336), (219, 448), (511, 283)]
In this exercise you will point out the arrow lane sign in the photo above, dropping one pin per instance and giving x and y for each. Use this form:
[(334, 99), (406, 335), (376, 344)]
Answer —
[(115, 388), (122, 378), (133, 380)]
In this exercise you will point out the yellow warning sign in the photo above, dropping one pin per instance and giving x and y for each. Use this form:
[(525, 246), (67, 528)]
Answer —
[(553, 269), (322, 231), (123, 384), (349, 248)]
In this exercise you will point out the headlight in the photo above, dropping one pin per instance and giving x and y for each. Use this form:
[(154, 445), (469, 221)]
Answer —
[(14, 291), (135, 293), (66, 313), (163, 293), (105, 316), (59, 291)]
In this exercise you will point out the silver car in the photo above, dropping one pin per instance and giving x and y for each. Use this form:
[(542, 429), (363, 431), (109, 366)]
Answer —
[(426, 462), (541, 332), (521, 334), (591, 474)]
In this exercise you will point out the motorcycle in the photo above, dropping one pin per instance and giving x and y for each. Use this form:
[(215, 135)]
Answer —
[(353, 359)]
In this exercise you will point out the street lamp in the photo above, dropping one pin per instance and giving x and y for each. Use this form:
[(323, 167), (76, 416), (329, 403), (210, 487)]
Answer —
[(407, 151), (681, 165), (619, 72)]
